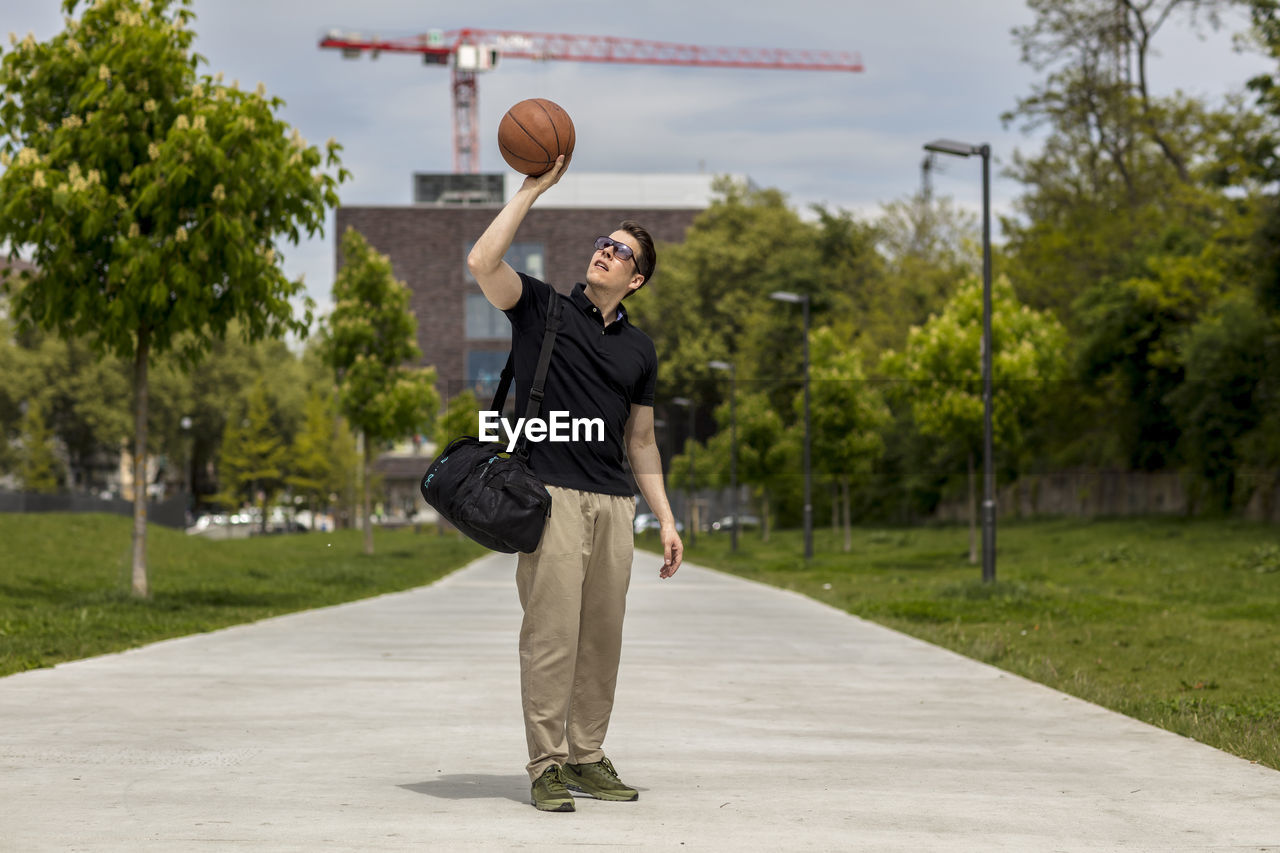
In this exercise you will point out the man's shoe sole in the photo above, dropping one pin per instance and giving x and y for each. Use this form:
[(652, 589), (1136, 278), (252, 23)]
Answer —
[(562, 807), (614, 798)]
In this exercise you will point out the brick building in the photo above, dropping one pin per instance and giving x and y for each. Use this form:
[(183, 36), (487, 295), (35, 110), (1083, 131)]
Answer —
[(458, 331)]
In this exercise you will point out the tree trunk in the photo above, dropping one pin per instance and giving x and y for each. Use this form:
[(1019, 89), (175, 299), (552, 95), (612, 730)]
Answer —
[(140, 587), (848, 528), (764, 518), (973, 515), (366, 511)]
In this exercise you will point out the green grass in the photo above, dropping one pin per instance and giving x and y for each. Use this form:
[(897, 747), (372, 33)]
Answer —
[(1170, 621), (64, 581)]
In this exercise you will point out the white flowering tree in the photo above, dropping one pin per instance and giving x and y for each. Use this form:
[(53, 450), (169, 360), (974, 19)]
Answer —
[(942, 368), (150, 196)]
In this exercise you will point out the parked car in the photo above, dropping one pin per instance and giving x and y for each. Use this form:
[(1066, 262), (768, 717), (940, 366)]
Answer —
[(744, 521), (648, 521)]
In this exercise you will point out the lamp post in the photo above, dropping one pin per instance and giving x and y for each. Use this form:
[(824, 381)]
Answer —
[(733, 449), (803, 299), (964, 149), (693, 489), (188, 481)]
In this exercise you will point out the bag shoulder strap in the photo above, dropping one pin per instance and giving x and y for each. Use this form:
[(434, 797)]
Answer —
[(544, 362)]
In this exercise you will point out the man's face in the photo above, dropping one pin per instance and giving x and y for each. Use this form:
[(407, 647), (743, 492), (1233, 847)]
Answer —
[(611, 273)]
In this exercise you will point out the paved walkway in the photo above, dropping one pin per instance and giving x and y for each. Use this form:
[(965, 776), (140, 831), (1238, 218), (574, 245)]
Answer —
[(750, 719)]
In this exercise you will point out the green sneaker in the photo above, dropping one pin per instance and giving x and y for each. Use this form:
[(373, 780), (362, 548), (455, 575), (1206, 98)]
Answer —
[(549, 793), (599, 780)]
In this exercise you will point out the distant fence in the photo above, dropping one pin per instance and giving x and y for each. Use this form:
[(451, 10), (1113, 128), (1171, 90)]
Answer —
[(1110, 493), (170, 513)]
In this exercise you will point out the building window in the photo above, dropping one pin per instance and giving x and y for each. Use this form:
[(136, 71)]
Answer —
[(523, 257), (484, 322), (484, 369)]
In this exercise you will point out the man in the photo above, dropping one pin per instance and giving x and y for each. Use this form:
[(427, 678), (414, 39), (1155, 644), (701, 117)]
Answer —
[(573, 587)]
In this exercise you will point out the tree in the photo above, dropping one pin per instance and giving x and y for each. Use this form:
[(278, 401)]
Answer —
[(85, 399), (1229, 359), (216, 391), (461, 417), (150, 197), (765, 454), (847, 415), (12, 393), (253, 455), (38, 466), (1124, 173), (925, 245), (710, 298), (1102, 51), (322, 458), (369, 343), (940, 370), (708, 471)]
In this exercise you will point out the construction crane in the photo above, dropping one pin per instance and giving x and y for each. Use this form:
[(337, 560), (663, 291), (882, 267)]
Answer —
[(469, 52)]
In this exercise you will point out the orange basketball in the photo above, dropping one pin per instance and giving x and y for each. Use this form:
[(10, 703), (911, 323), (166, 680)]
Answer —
[(533, 134)]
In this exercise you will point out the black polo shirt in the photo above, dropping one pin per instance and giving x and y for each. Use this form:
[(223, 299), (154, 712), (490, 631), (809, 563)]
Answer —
[(596, 371)]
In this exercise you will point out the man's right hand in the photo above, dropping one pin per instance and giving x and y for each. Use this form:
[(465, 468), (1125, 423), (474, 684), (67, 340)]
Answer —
[(541, 183)]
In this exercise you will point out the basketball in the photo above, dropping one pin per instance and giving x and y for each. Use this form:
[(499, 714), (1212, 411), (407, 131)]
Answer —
[(533, 134)]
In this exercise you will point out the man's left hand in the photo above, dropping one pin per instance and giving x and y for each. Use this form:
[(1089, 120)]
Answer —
[(672, 551)]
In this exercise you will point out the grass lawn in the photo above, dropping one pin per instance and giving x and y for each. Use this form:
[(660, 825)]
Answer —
[(1171, 621), (64, 581)]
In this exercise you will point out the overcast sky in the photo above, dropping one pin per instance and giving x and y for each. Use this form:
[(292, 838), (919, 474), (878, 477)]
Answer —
[(933, 68)]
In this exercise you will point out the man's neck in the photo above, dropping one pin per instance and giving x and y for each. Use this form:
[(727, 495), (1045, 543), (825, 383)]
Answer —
[(607, 304)]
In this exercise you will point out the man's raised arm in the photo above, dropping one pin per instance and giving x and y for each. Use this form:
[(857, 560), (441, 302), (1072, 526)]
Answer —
[(498, 281)]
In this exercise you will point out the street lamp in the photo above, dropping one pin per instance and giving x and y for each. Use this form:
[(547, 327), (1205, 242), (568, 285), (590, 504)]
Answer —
[(188, 481), (733, 449), (803, 299), (693, 490), (963, 149)]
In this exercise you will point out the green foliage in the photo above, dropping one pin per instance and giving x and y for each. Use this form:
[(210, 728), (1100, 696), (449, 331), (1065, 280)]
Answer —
[(150, 197), (369, 343), (926, 245), (322, 459), (169, 188), (38, 466), (1124, 174), (711, 298), (461, 417), (709, 468), (767, 454), (218, 390), (847, 413), (1229, 360), (940, 369), (253, 454)]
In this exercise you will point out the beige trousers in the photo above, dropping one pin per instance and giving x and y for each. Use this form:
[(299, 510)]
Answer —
[(574, 593)]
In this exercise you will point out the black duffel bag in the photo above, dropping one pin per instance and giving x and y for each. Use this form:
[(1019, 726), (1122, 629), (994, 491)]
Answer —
[(490, 495)]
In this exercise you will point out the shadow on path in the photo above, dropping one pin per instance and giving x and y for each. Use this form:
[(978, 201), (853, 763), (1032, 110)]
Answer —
[(474, 786)]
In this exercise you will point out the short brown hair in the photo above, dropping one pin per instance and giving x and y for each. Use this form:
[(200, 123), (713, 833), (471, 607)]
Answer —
[(648, 260)]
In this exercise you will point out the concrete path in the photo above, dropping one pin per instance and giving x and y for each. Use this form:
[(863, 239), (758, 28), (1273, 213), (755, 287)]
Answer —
[(750, 719)]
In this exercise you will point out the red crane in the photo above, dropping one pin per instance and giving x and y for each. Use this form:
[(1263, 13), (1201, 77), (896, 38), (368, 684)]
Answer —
[(471, 51)]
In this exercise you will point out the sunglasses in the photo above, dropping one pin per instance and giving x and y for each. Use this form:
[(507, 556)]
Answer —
[(621, 251)]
